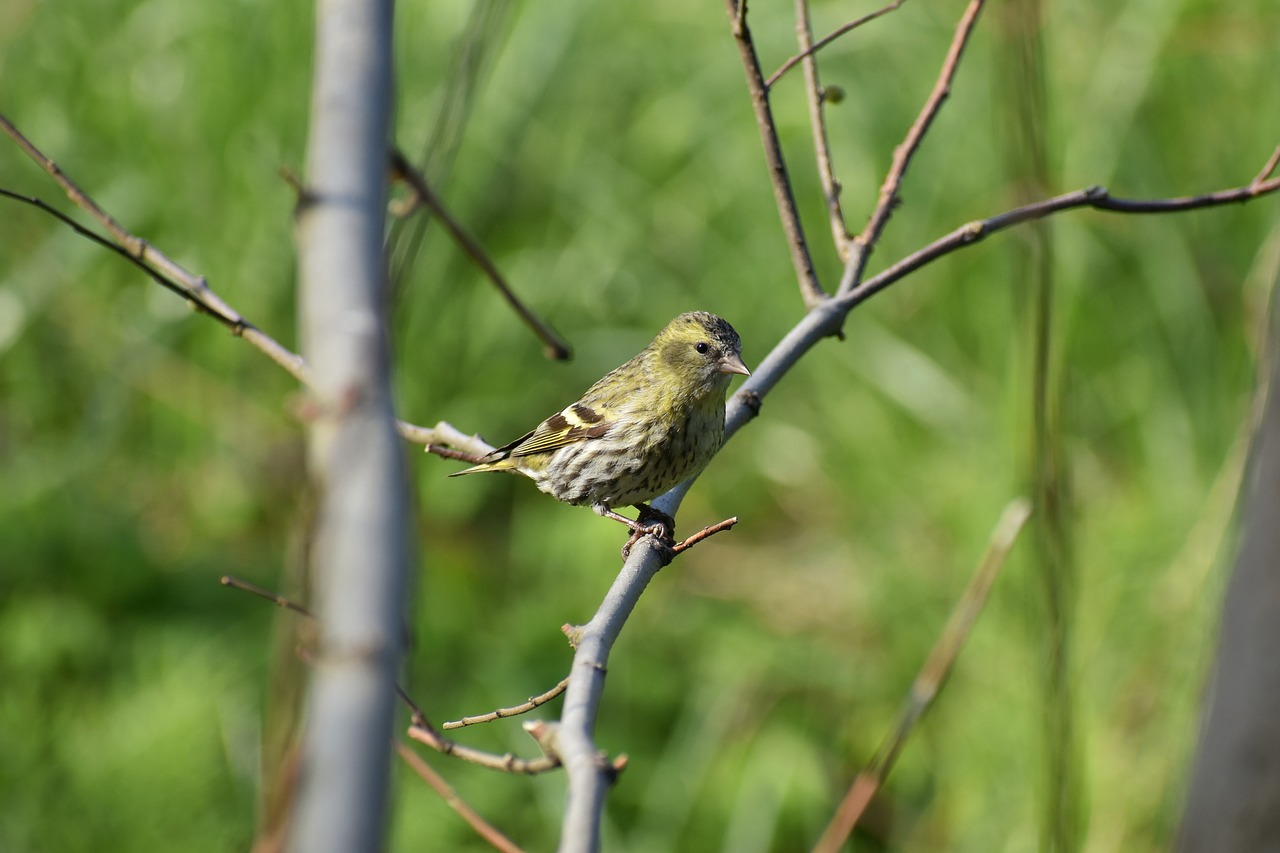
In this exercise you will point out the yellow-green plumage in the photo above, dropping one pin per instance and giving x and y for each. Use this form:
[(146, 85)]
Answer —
[(645, 427)]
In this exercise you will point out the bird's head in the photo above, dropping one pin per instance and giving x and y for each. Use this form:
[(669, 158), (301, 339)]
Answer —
[(701, 351)]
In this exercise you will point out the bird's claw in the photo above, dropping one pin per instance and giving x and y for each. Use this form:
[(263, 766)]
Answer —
[(661, 528)]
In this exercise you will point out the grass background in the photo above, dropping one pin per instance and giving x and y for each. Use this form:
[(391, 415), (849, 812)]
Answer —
[(611, 165)]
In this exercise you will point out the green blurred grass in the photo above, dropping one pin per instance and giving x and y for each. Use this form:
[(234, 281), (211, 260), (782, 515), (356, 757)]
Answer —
[(612, 167)]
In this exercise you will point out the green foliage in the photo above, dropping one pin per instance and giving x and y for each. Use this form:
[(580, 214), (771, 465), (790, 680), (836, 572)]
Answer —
[(611, 165)]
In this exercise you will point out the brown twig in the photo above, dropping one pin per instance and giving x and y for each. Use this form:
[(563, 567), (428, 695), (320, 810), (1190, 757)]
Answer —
[(554, 346), (808, 49), (196, 291), (422, 732), (704, 533), (818, 124), (483, 828), (158, 265), (810, 288), (888, 200), (425, 732), (513, 711), (931, 677), (1095, 197), (1270, 166), (275, 598)]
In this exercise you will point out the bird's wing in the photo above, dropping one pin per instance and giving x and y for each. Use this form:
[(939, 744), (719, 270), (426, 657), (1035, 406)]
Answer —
[(578, 422)]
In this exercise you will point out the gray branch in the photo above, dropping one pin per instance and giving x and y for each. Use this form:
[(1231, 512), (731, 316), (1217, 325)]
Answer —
[(360, 549)]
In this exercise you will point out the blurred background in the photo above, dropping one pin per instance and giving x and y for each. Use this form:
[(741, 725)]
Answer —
[(607, 157)]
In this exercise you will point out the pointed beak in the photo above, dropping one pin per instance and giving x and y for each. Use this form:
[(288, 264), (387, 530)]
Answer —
[(732, 363)]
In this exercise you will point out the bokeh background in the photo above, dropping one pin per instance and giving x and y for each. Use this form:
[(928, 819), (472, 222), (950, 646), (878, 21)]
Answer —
[(607, 156)]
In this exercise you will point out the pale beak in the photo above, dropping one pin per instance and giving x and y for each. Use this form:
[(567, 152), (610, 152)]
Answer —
[(732, 363)]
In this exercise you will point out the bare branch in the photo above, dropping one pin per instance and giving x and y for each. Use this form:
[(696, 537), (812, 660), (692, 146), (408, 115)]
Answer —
[(554, 346), (865, 242), (360, 551), (483, 828), (275, 598), (704, 533), (929, 681), (155, 263), (426, 733), (1268, 168), (808, 49), (1095, 197), (810, 288), (589, 776), (818, 122), (513, 711), (422, 732)]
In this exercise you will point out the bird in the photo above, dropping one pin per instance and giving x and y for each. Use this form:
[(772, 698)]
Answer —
[(643, 428)]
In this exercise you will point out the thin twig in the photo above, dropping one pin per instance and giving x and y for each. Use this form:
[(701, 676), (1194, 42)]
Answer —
[(421, 730), (807, 50), (1095, 197), (513, 711), (931, 677), (810, 288), (818, 123), (555, 346), (1268, 167), (508, 763), (483, 828), (704, 533), (865, 242), (157, 265), (275, 598)]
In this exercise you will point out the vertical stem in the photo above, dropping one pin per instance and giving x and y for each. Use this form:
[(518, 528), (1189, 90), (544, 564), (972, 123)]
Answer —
[(818, 123), (1027, 155), (810, 288), (360, 549)]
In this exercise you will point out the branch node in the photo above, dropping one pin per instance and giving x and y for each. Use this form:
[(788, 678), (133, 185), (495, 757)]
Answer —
[(615, 768), (974, 231), (573, 632), (546, 735)]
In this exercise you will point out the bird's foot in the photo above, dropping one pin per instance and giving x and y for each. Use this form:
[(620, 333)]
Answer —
[(651, 522), (655, 523)]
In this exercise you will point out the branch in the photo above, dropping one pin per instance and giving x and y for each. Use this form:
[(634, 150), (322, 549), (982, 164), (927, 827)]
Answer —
[(483, 828), (589, 776), (931, 677), (154, 262), (704, 533), (513, 711), (1095, 197), (360, 551), (807, 49), (818, 123), (423, 732), (554, 346), (421, 728), (810, 288), (865, 242)]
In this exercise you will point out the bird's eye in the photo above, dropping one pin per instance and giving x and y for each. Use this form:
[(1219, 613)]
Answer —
[(702, 347)]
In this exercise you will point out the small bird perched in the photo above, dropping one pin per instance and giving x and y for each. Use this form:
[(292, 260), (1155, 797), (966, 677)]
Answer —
[(646, 426)]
